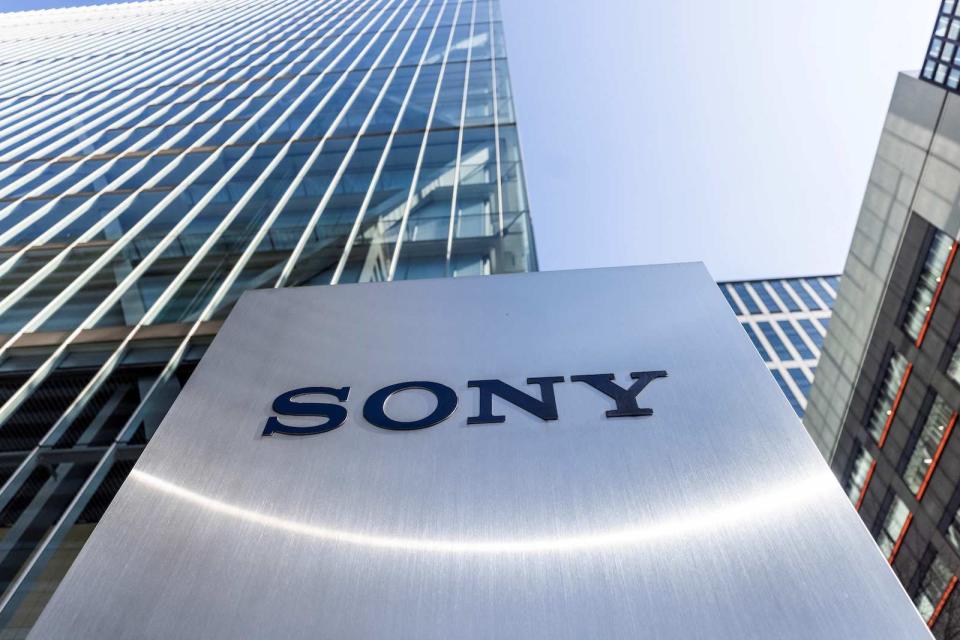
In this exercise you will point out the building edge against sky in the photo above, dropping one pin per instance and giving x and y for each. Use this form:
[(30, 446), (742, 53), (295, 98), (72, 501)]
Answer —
[(158, 159)]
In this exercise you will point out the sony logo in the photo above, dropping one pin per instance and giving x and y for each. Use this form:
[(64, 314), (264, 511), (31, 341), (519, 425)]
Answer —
[(374, 409)]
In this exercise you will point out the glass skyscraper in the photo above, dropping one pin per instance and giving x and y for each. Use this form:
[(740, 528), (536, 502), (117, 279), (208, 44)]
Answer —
[(159, 158), (786, 319)]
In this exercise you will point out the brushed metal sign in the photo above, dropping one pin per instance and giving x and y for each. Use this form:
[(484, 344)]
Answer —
[(706, 512)]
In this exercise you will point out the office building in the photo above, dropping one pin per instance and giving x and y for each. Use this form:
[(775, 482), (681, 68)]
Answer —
[(883, 406), (786, 319), (159, 158)]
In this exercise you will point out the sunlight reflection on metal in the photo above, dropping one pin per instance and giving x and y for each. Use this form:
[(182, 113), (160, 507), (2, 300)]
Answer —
[(784, 498)]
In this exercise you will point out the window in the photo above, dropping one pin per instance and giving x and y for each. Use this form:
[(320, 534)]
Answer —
[(883, 407), (947, 54), (942, 24), (804, 295), (811, 330), (932, 432), (765, 297), (893, 525), (794, 337), (936, 580), (746, 298), (800, 378), (771, 335), (927, 283), (935, 46), (785, 297), (856, 479), (953, 531), (821, 291), (953, 369), (797, 407), (729, 296), (756, 342)]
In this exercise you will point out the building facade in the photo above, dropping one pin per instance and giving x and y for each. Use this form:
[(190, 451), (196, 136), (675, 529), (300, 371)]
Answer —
[(884, 404), (157, 159), (786, 319)]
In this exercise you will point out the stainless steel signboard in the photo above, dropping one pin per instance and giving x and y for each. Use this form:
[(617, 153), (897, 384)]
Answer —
[(587, 454)]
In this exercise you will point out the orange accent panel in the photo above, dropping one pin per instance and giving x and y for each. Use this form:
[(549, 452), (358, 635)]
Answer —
[(936, 456), (936, 295), (896, 404), (943, 601)]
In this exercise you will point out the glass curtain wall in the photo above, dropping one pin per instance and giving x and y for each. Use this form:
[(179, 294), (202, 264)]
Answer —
[(787, 320), (158, 159)]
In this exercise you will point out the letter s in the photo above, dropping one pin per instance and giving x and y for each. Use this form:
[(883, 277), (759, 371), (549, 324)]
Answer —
[(285, 406)]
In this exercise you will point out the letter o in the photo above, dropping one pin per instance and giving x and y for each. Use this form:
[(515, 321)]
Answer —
[(373, 408)]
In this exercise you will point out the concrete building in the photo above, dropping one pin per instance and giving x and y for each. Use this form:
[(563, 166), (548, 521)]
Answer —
[(884, 402)]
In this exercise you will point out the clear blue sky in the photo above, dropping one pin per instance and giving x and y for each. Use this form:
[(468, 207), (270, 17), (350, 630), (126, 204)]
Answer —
[(737, 132)]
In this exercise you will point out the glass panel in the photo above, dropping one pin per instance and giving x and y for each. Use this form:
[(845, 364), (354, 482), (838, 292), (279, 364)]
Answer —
[(953, 531), (930, 274), (797, 286), (747, 298), (892, 525), (931, 433), (779, 286), (760, 288), (796, 340), (889, 387), (856, 479), (953, 368), (825, 296), (932, 587), (801, 380), (953, 80), (27, 519), (730, 299), (810, 329), (372, 252), (756, 342), (941, 28), (788, 392), (774, 339), (476, 212)]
